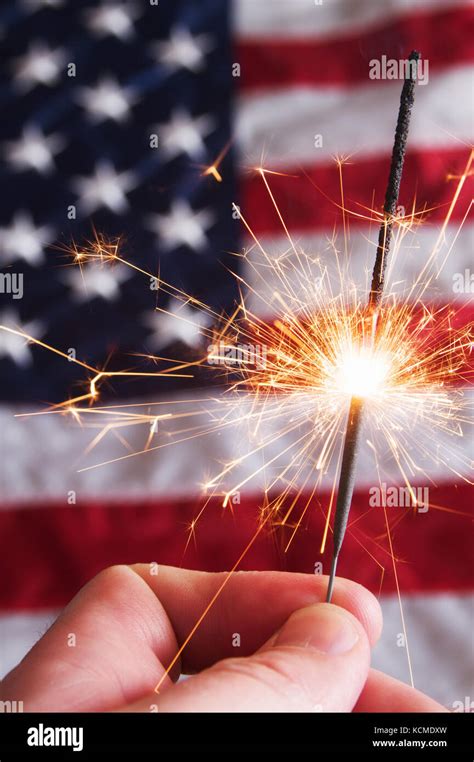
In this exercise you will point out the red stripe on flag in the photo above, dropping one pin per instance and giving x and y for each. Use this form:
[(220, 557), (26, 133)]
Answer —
[(48, 553), (443, 38), (311, 200)]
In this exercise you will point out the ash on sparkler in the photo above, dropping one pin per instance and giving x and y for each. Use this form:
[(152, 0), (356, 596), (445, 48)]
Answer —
[(355, 415)]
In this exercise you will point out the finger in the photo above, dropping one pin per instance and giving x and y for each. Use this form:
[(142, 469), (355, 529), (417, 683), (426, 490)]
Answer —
[(248, 608), (383, 693), (105, 648), (319, 661)]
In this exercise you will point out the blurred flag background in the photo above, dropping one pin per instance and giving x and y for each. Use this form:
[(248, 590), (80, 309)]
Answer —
[(85, 88)]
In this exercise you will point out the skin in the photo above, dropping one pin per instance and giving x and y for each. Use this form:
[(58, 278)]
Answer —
[(296, 653)]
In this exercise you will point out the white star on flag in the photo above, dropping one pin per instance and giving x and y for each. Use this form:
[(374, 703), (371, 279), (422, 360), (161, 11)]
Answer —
[(22, 240), (182, 50), (105, 188), (182, 226), (183, 134), (39, 66), (179, 323), (107, 100), (96, 280), (113, 19), (34, 151), (16, 347)]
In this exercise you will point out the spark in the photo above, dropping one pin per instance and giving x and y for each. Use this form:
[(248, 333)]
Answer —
[(212, 170)]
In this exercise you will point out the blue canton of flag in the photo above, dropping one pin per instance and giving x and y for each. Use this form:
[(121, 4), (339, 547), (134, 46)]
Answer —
[(110, 110)]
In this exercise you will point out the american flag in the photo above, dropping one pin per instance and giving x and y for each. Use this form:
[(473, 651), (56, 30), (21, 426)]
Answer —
[(110, 111)]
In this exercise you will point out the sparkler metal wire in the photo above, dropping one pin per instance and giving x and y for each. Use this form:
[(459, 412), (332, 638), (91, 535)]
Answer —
[(356, 407)]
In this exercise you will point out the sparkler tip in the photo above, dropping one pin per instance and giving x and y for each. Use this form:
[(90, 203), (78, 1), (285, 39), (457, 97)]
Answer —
[(332, 578)]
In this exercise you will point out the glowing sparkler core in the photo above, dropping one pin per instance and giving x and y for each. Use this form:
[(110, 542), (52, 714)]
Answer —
[(362, 372)]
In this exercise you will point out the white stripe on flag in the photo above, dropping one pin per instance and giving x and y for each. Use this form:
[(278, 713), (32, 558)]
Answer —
[(18, 633), (269, 19), (42, 454), (355, 121), (441, 651), (410, 252)]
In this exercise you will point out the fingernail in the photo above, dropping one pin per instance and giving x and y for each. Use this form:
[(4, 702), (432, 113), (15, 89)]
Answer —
[(322, 627)]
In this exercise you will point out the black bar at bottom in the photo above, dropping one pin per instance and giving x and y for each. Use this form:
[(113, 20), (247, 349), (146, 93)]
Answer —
[(84, 736)]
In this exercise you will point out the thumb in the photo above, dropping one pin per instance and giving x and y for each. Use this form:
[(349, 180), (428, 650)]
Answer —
[(318, 661)]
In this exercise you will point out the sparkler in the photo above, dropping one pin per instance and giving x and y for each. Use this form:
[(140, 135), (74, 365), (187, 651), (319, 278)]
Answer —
[(355, 415), (328, 344)]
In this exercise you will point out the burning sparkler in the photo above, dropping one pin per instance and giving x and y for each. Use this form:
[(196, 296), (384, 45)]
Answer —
[(354, 419), (330, 345)]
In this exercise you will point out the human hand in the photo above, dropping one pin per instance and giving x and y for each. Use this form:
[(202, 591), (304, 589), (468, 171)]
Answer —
[(296, 654)]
